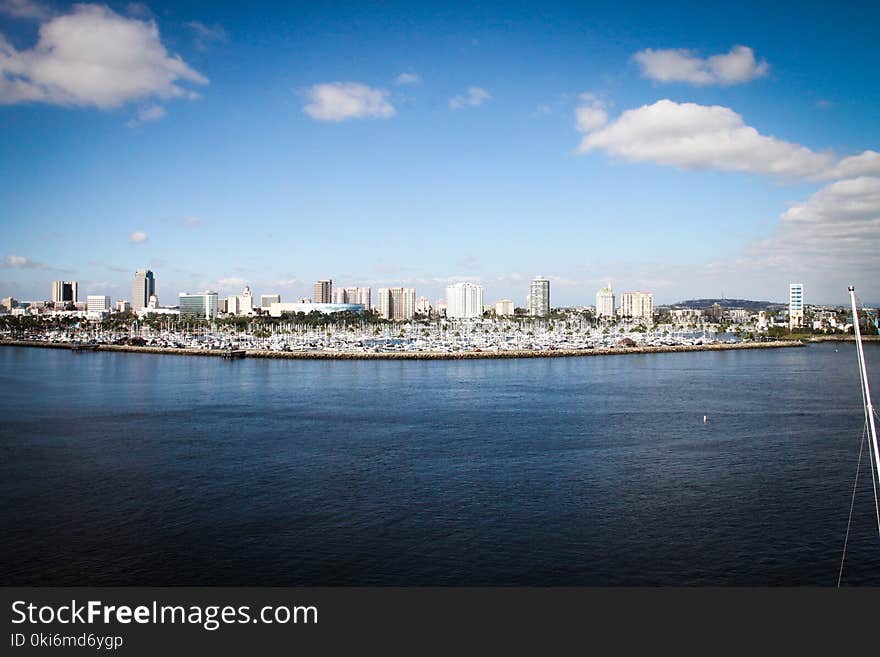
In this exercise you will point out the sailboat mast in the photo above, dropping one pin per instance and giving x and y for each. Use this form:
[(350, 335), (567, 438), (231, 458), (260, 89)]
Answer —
[(869, 406)]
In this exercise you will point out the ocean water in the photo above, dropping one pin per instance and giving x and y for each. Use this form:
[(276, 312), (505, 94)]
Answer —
[(125, 469)]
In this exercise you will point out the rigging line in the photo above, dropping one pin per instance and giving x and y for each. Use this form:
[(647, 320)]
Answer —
[(851, 506), (874, 481)]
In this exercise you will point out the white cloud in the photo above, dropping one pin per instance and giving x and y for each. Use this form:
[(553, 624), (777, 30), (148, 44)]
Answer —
[(25, 9), (681, 65), (13, 261), (231, 282), (204, 36), (407, 78), (591, 113), (93, 57), (694, 136), (339, 101), (147, 114), (474, 97), (138, 237), (864, 164)]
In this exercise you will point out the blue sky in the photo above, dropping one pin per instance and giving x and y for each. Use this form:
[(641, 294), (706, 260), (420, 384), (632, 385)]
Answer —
[(692, 149)]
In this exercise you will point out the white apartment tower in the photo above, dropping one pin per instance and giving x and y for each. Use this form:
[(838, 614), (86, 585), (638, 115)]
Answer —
[(795, 305), (539, 297), (464, 301), (637, 305), (605, 302)]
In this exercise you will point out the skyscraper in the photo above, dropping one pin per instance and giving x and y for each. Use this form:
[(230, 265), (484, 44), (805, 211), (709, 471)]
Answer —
[(65, 291), (142, 289), (464, 301), (539, 297), (605, 302), (323, 292), (396, 303), (795, 305)]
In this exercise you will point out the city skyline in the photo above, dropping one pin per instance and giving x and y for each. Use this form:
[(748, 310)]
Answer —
[(625, 148)]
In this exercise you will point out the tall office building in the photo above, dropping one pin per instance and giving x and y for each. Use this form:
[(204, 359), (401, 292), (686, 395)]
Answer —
[(539, 297), (637, 305), (323, 291), (142, 289), (605, 302), (65, 291), (198, 306), (464, 301), (396, 303), (795, 305)]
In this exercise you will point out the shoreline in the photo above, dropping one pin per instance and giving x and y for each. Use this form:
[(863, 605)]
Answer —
[(421, 355)]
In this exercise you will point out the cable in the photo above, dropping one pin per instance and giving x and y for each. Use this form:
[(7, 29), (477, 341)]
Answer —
[(851, 506)]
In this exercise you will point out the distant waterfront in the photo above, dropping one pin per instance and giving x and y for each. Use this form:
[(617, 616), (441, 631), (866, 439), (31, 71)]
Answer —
[(163, 470)]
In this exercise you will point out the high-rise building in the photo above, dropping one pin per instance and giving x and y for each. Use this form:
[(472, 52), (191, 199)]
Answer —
[(464, 301), (795, 305), (323, 291), (142, 289), (539, 297), (97, 306), (199, 306), (65, 291), (241, 304), (266, 301), (396, 303), (605, 302), (356, 295), (9, 303), (123, 306), (504, 308), (637, 305)]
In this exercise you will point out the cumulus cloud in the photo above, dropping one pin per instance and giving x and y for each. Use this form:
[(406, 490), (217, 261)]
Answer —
[(147, 114), (138, 237), (694, 136), (407, 78), (340, 101), (681, 65), (28, 9), (864, 164), (13, 261), (474, 97), (92, 56)]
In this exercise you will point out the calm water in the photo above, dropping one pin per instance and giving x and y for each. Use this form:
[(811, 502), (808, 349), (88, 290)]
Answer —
[(120, 469)]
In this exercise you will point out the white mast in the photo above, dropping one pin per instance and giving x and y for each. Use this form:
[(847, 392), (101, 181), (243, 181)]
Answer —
[(869, 406)]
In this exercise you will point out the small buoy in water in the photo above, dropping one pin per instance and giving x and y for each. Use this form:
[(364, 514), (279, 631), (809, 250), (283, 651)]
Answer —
[(705, 419)]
